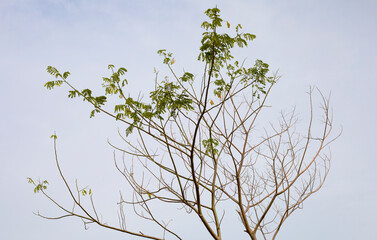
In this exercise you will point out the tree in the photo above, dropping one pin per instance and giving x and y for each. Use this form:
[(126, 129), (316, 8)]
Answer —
[(205, 147)]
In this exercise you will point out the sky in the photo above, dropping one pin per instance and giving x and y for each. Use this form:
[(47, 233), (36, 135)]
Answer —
[(327, 44)]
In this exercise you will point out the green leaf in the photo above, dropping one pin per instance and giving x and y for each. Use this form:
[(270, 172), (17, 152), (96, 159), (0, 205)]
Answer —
[(40, 186), (210, 146), (219, 82), (119, 116), (49, 85), (58, 82), (93, 112), (122, 71), (249, 36), (119, 108), (29, 180), (86, 92), (66, 74), (129, 130), (72, 94), (53, 71), (187, 77), (167, 56), (100, 100)]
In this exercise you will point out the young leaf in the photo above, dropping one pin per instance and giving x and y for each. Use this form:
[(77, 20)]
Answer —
[(49, 85), (72, 94), (66, 74), (129, 130), (187, 77), (93, 112), (29, 180)]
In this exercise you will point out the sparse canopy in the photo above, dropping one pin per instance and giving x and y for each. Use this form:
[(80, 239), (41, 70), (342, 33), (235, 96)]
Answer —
[(196, 140)]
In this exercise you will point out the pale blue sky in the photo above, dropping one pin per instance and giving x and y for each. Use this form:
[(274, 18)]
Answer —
[(329, 44)]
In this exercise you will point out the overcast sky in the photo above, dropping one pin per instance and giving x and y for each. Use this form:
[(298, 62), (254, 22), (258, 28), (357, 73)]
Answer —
[(323, 43)]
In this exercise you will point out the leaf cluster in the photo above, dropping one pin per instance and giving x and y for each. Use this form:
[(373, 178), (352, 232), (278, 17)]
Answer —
[(168, 98), (39, 185), (217, 47), (61, 77), (210, 146)]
